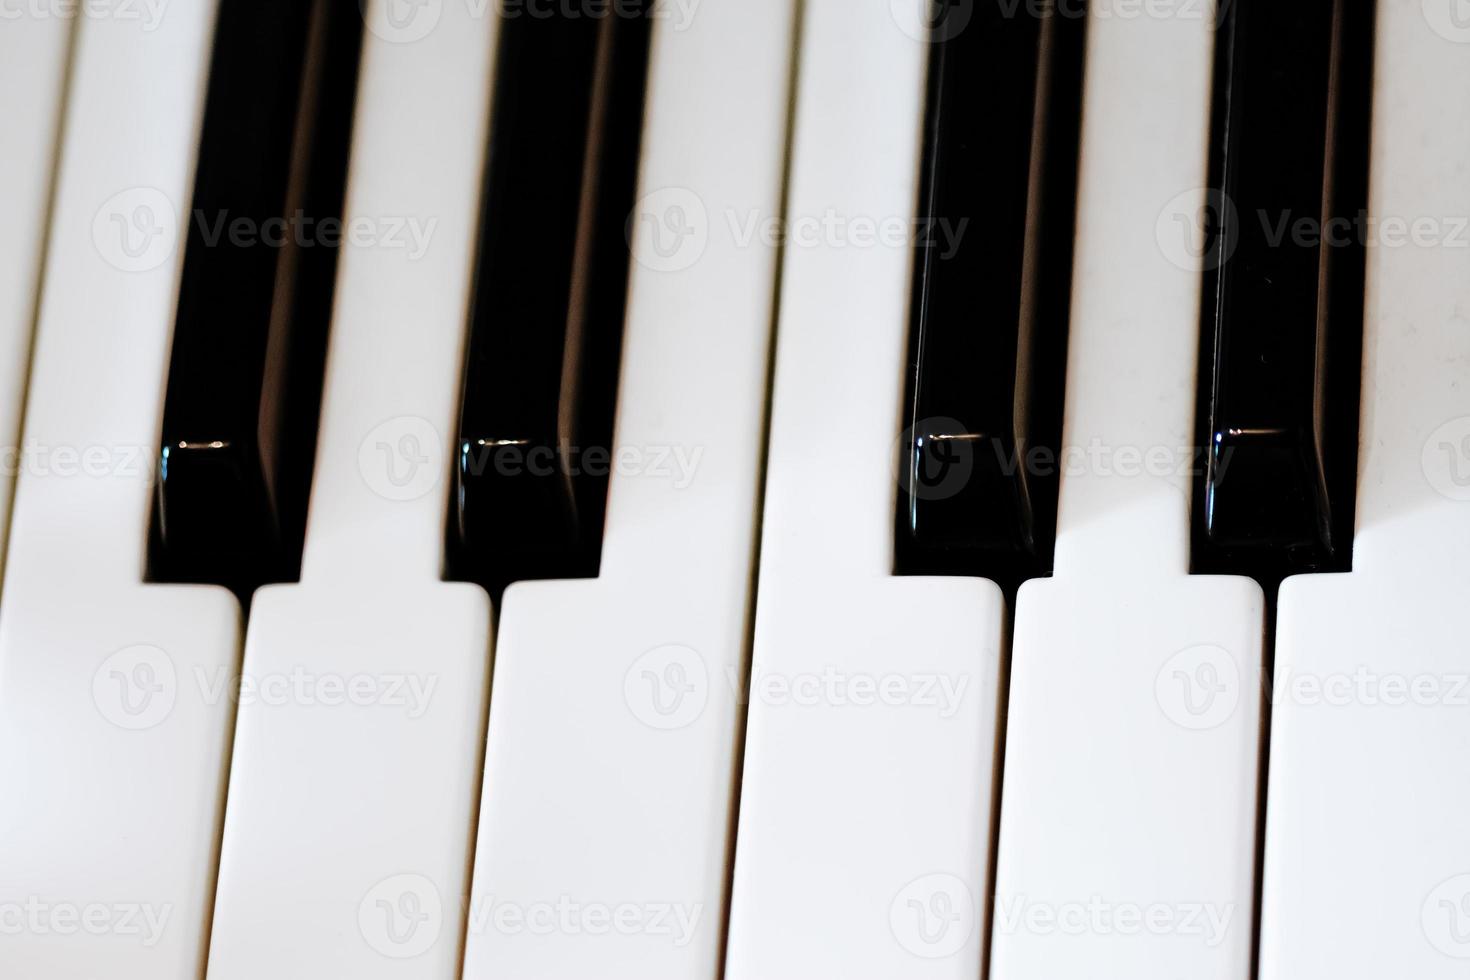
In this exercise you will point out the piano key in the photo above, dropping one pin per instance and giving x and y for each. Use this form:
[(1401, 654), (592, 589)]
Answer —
[(1366, 855), (865, 811), (985, 395), (541, 374), (33, 61), (1284, 307), (1133, 697), (114, 721), (244, 384), (605, 785), (356, 766)]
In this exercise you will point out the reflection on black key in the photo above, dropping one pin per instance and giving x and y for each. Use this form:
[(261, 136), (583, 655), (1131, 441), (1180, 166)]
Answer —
[(1282, 326), (992, 291), (244, 383), (546, 332)]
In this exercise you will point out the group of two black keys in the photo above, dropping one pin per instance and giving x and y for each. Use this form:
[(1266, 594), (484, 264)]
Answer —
[(1280, 327), (1282, 310), (245, 378)]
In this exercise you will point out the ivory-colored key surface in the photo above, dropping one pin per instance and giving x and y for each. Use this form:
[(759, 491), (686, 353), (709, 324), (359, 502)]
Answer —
[(864, 830), (348, 832), (1367, 870), (1127, 836), (33, 61), (611, 769), (114, 704)]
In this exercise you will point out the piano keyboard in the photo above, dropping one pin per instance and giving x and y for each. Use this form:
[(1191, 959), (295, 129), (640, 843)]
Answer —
[(750, 489)]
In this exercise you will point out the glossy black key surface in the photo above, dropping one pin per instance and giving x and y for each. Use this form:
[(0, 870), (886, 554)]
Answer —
[(536, 421), (988, 340), (1281, 342), (244, 382)]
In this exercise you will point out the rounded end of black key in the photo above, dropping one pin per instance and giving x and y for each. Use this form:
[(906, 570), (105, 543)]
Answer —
[(967, 501), (197, 483), (522, 510), (1266, 499)]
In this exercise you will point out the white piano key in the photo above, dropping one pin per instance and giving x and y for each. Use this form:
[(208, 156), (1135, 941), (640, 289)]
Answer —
[(1367, 867), (864, 828), (33, 58), (608, 798), (113, 737), (356, 768), (1127, 838)]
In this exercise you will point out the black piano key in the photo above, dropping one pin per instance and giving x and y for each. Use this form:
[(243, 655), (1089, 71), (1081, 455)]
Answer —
[(993, 266), (1283, 311), (244, 381), (536, 421)]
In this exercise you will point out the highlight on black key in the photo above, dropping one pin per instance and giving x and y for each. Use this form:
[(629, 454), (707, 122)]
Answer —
[(988, 337), (540, 382), (1282, 319), (245, 374)]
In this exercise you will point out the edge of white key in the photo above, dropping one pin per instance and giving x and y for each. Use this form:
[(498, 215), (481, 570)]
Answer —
[(866, 804), (33, 60), (113, 735), (603, 792), (1128, 817), (1367, 869), (349, 828)]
